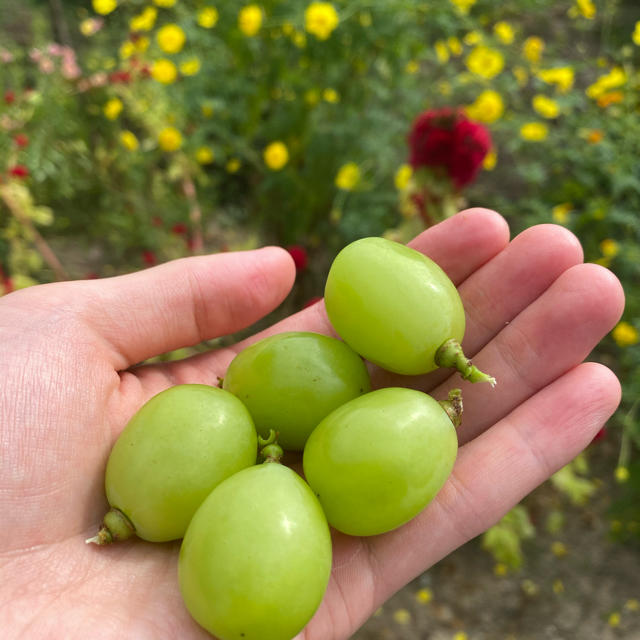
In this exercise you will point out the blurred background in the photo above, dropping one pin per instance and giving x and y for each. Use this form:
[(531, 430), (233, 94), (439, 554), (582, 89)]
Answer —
[(137, 131)]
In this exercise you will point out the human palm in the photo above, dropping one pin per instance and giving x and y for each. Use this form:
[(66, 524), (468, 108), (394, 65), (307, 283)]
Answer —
[(534, 313)]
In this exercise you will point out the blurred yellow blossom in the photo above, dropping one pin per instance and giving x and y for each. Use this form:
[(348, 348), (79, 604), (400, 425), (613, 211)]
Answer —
[(312, 97), (584, 8), (560, 213), (112, 108), (412, 67), (521, 75), (635, 36), (171, 38), (320, 19), (613, 97), (208, 17), (144, 21), (532, 49), (330, 95), (250, 19), (534, 131), (365, 19), (233, 165), (90, 26), (559, 549), (615, 78), (504, 32), (490, 160), (445, 88), (104, 7), (545, 106), (488, 107), (190, 67), (561, 77), (485, 62), (500, 569), (614, 619), (455, 46), (632, 604), (204, 155), (170, 139), (402, 176), (594, 136), (164, 3), (558, 587), (463, 6), (164, 71), (424, 596), (610, 248), (128, 140), (348, 176), (276, 155), (402, 616), (127, 49), (442, 51), (299, 39), (460, 635), (206, 110), (141, 44), (625, 334), (472, 37)]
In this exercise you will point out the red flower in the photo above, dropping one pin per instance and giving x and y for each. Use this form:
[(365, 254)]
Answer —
[(21, 140), (179, 228), (446, 138), (299, 255), (19, 171), (9, 97), (149, 257), (120, 77)]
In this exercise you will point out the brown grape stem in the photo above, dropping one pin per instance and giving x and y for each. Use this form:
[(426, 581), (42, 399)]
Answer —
[(115, 527), (450, 354), (453, 406)]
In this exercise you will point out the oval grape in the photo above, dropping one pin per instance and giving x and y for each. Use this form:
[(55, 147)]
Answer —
[(256, 558), (378, 460), (291, 381), (173, 452)]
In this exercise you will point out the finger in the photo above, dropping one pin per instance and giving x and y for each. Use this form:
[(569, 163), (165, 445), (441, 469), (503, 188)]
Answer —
[(186, 301), (496, 470), (460, 245), (548, 338)]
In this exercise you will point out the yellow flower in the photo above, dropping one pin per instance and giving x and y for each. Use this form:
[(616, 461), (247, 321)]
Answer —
[(312, 97), (330, 95), (532, 49), (504, 32), (412, 67), (615, 78), (444, 88), (276, 155), (320, 19), (190, 67), (170, 139), (586, 8), (561, 77), (455, 46), (127, 49), (632, 604), (461, 635), (546, 107), (128, 140), (625, 334), (207, 110), (402, 177), (521, 74), (488, 107), (348, 177), (164, 3), (610, 248), (558, 587), (490, 160), (204, 155), (171, 38), (112, 108), (90, 26), (402, 616), (635, 36), (560, 213), (424, 595), (299, 39), (442, 51), (250, 19), (164, 71), (141, 44), (104, 7), (208, 17), (485, 62), (534, 131), (471, 38), (595, 136), (365, 19), (463, 5), (559, 549), (613, 97), (500, 569), (233, 166), (144, 21)]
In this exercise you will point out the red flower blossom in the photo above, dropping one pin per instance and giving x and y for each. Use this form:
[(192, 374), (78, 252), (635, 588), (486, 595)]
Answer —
[(299, 255), (21, 140), (120, 77), (9, 97), (149, 257), (179, 228), (19, 171), (446, 138)]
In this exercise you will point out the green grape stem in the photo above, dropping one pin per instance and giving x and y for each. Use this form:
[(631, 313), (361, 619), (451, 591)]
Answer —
[(450, 354), (270, 450), (453, 406), (116, 527)]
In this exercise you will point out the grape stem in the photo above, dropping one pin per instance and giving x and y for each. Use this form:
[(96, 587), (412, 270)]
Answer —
[(269, 448), (450, 354), (453, 406), (116, 527)]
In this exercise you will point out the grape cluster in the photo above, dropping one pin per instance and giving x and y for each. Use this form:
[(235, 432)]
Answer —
[(255, 558)]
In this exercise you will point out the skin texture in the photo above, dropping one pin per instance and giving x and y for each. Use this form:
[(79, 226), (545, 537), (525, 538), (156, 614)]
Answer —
[(534, 312)]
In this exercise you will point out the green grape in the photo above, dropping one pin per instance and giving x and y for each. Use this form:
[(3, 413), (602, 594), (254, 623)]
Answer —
[(172, 453), (397, 308), (378, 460), (291, 381), (256, 558)]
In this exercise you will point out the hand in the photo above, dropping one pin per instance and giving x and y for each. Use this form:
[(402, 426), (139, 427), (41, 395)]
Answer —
[(69, 385)]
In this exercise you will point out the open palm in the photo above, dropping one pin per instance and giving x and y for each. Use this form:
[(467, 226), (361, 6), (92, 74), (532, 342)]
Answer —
[(534, 313)]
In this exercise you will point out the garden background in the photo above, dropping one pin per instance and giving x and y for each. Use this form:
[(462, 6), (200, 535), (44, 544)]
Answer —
[(137, 131)]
